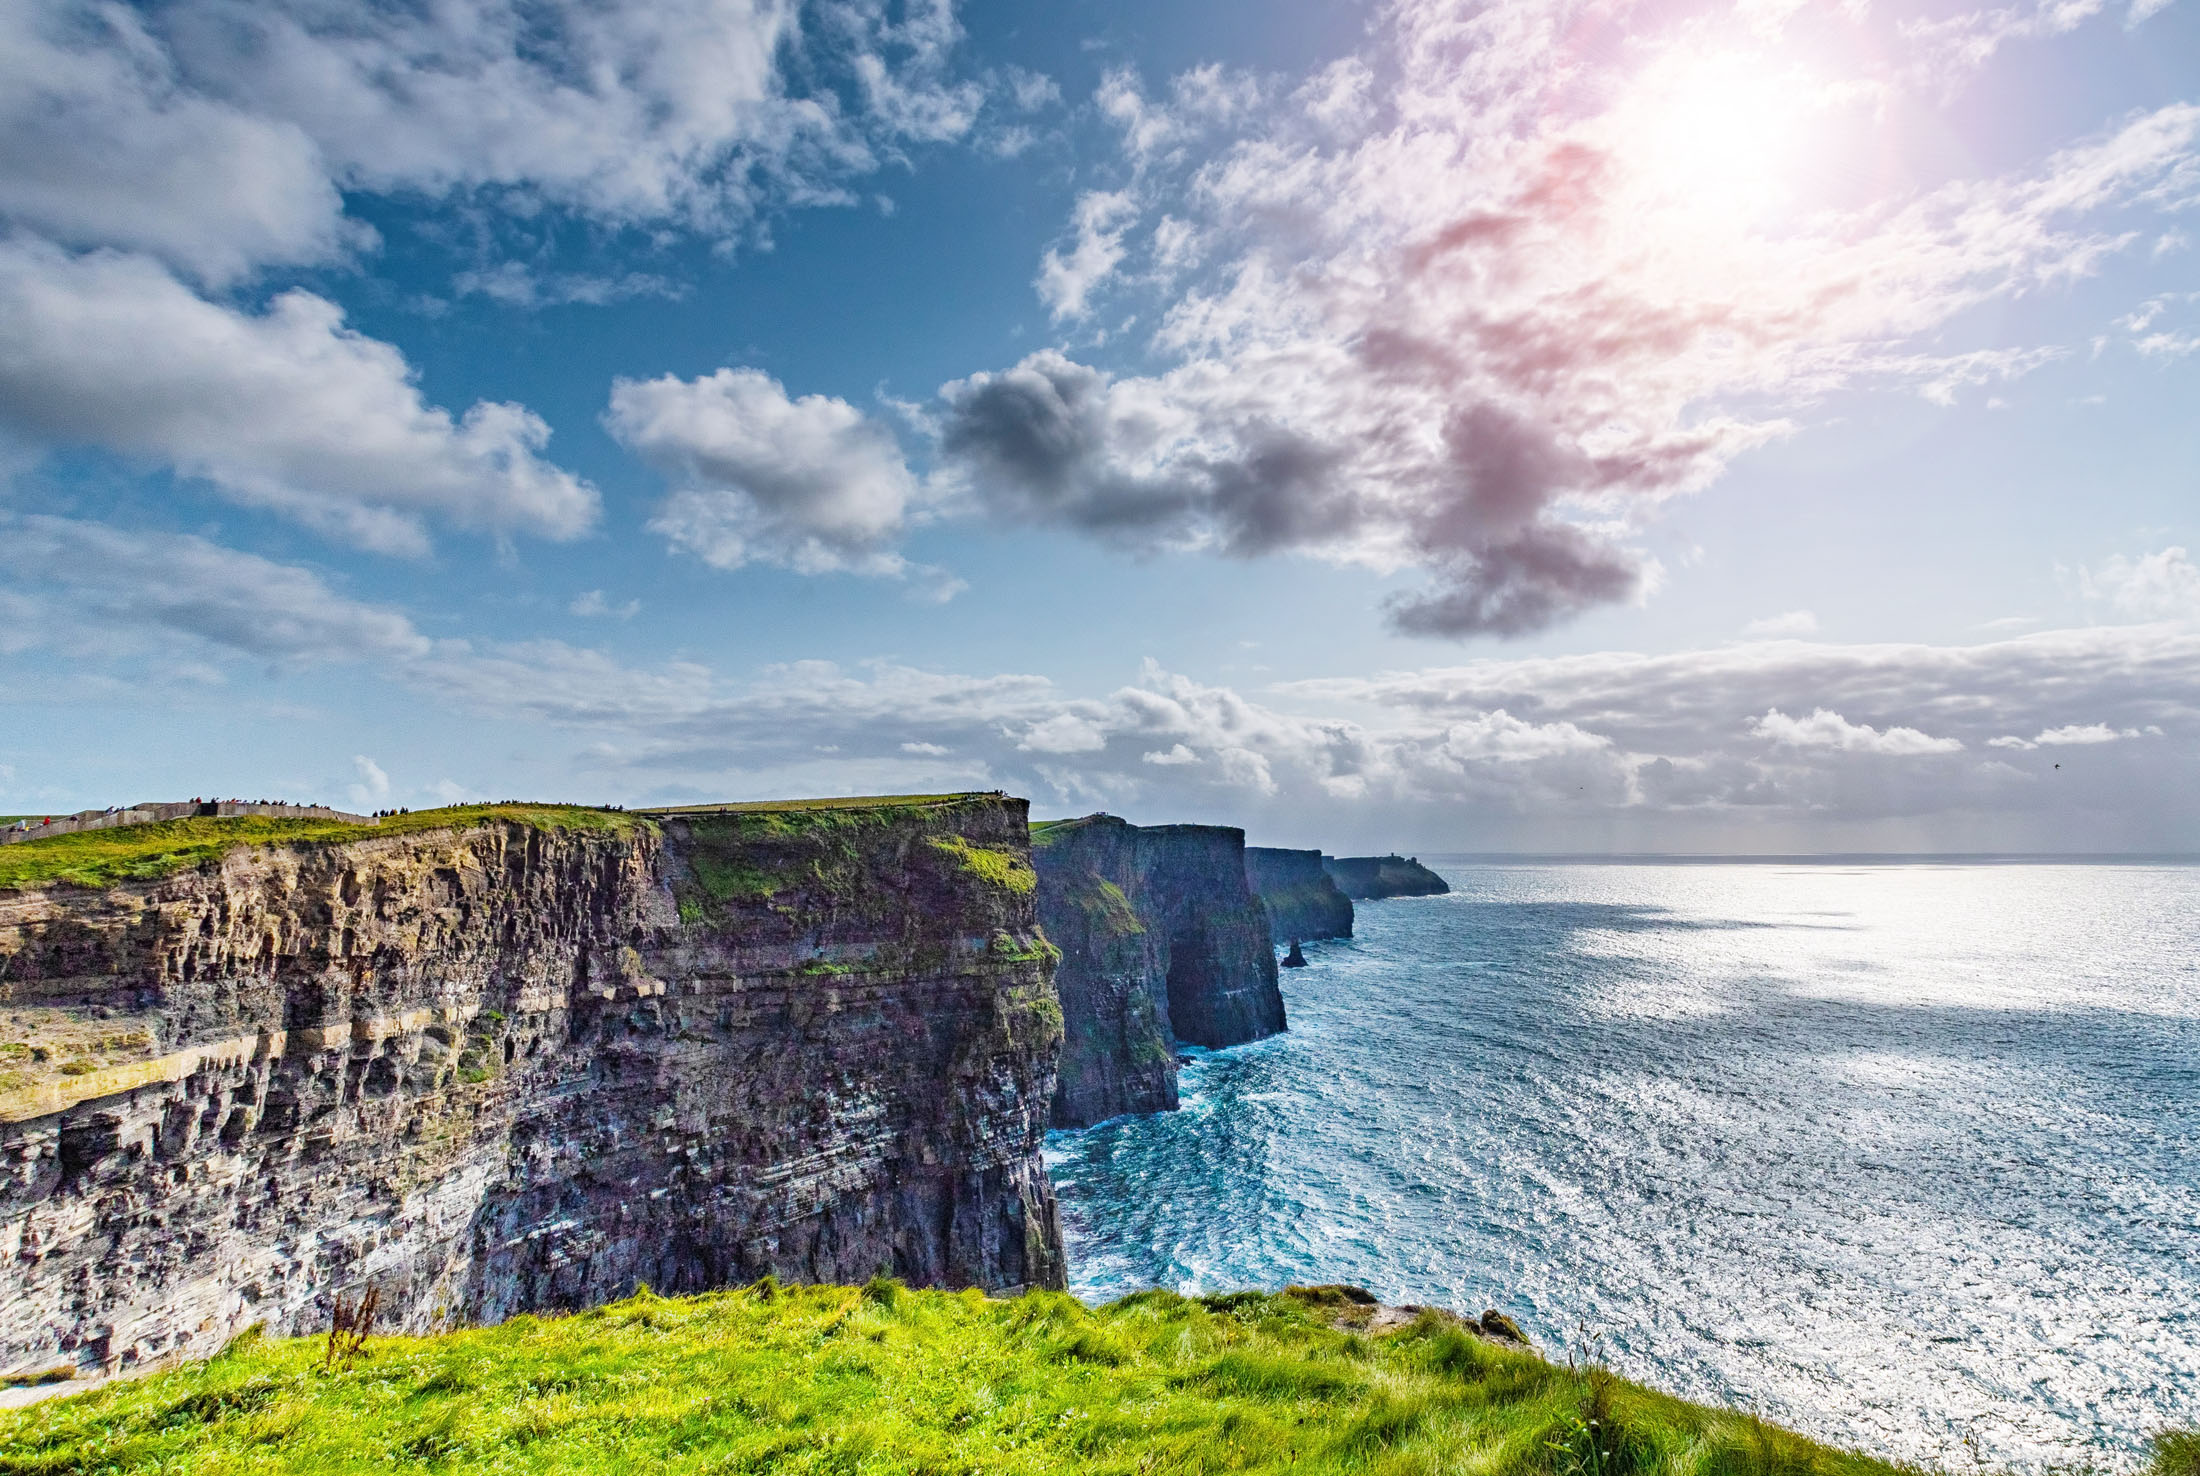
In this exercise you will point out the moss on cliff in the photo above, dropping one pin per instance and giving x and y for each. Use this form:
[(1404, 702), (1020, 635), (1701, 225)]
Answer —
[(879, 1379), (807, 862), (995, 867), (100, 858)]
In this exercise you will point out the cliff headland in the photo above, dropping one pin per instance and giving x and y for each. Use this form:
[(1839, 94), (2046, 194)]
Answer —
[(513, 1059), (1371, 878), (1304, 903), (1161, 941)]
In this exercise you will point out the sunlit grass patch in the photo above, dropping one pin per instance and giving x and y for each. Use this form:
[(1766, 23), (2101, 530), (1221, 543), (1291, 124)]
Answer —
[(881, 1379)]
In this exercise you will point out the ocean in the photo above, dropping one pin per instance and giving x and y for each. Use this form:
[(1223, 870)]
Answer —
[(1906, 1156)]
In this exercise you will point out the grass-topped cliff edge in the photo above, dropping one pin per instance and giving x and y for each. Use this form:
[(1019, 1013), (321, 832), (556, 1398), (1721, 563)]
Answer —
[(103, 858), (880, 1379)]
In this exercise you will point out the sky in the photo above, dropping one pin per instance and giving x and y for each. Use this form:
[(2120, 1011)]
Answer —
[(1546, 426)]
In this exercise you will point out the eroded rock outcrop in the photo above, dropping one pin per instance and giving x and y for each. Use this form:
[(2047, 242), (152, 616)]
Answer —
[(515, 1067), (1303, 903), (1162, 941), (1371, 878)]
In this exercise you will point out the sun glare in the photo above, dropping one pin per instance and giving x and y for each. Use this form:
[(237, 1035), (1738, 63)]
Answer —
[(1719, 136)]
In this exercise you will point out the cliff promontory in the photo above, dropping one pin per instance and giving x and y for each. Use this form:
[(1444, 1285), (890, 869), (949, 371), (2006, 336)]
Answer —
[(1303, 903), (518, 1060), (1162, 941), (1371, 878)]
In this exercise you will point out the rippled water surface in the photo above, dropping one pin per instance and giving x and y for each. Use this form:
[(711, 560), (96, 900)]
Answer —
[(1905, 1156)]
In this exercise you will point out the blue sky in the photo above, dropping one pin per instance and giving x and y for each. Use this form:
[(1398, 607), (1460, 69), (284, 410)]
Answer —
[(1536, 426)]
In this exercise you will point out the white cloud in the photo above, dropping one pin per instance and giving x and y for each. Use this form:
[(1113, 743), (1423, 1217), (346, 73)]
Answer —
[(517, 285), (2071, 735), (1453, 332), (103, 144), (1963, 42), (591, 603), (1793, 623), (1592, 750), (163, 600), (1500, 735), (286, 409), (121, 588), (373, 785), (1066, 282), (812, 484), (2080, 734), (1827, 729), (2156, 586), (1066, 732), (1033, 90), (218, 134)]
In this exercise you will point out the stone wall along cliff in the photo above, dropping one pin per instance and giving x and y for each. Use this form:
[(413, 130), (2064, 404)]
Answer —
[(1371, 878), (1162, 941), (514, 1066), (1303, 903)]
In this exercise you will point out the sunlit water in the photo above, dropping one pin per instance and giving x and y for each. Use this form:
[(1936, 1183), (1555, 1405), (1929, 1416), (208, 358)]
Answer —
[(1904, 1156)]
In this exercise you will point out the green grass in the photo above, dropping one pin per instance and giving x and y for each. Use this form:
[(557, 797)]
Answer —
[(99, 858), (880, 1379), (843, 802), (1004, 869)]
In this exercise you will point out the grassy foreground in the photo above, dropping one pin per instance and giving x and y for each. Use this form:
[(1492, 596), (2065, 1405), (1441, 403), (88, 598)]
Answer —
[(101, 858), (880, 1379)]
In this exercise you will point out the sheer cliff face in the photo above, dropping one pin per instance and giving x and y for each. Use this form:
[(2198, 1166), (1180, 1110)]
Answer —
[(510, 1068), (1162, 941), (1303, 903)]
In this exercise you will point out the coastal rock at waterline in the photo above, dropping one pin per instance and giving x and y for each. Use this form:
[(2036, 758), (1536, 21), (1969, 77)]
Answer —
[(1302, 901), (1369, 878), (1162, 941), (517, 1067)]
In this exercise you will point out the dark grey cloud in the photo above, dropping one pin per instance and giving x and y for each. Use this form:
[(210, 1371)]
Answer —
[(1053, 440)]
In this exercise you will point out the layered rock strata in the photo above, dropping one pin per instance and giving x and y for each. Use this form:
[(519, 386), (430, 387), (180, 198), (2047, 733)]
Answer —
[(1371, 878), (1303, 903), (1162, 941), (514, 1067)]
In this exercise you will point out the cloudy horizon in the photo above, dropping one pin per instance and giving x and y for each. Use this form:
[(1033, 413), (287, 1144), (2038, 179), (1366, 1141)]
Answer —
[(1532, 426)]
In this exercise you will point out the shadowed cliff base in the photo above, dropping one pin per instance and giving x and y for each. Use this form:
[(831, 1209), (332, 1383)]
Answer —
[(515, 1058), (881, 1379), (1162, 942)]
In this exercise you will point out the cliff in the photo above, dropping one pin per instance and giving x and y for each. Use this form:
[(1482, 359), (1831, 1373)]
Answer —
[(527, 1061), (1374, 877), (1162, 941), (1303, 903)]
